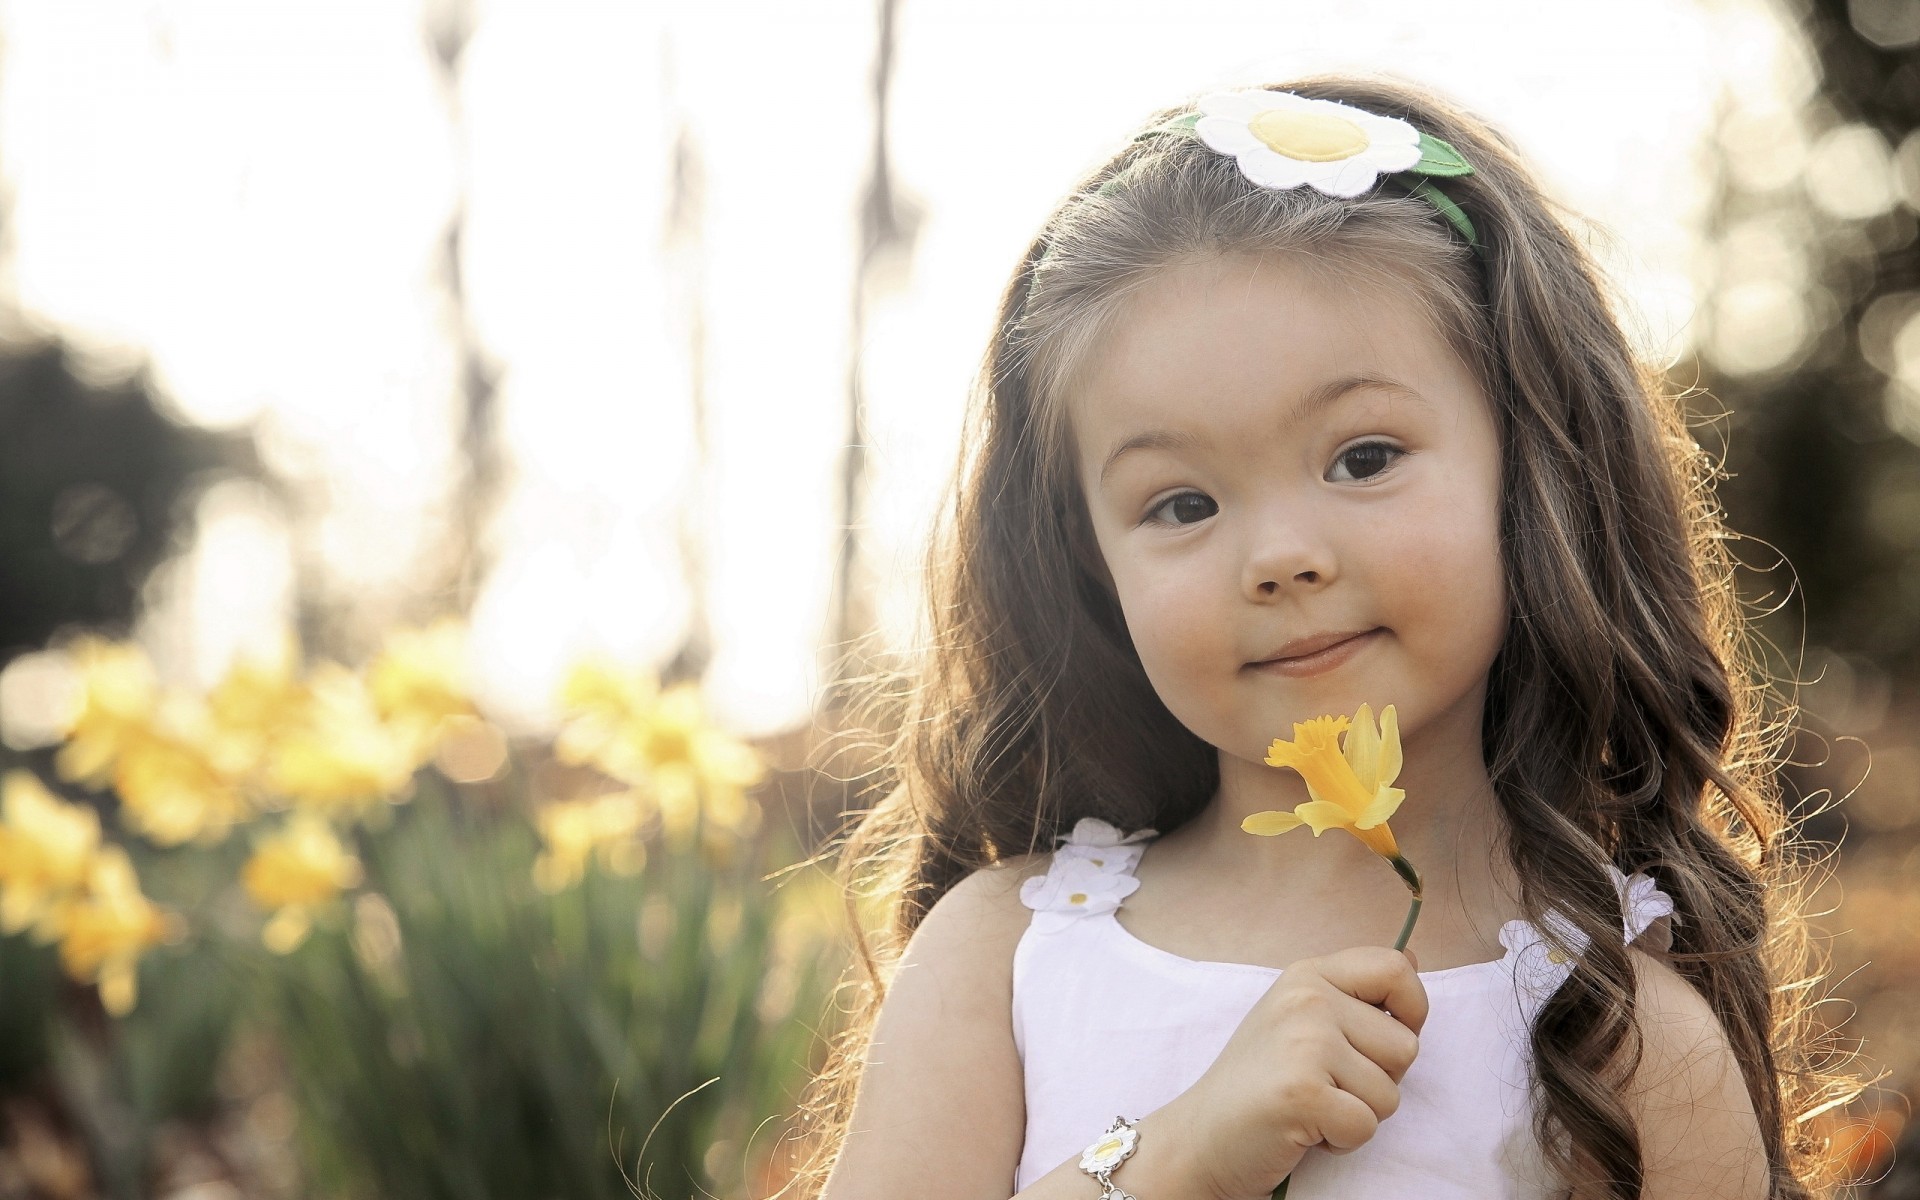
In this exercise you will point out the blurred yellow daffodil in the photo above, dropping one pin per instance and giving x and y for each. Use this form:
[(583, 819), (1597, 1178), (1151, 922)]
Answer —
[(419, 682), (294, 872), (166, 755), (118, 695), (107, 931), (342, 760), (574, 831), (47, 848), (625, 725), (176, 791), (258, 699), (1350, 783)]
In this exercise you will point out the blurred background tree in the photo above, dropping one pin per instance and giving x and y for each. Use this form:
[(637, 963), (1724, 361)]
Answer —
[(1812, 351)]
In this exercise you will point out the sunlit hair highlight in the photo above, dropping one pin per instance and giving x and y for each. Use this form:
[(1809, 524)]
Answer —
[(1627, 719)]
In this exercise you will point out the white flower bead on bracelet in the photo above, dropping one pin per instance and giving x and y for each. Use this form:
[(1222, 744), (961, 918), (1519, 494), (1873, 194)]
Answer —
[(1105, 1155)]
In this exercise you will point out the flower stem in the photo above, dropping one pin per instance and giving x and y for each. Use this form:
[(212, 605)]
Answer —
[(1406, 931), (1412, 879)]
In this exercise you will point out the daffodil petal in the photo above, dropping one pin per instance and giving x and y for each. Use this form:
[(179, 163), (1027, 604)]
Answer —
[(1362, 748), (1379, 839), (1267, 824), (1323, 815), (1389, 746), (1385, 803)]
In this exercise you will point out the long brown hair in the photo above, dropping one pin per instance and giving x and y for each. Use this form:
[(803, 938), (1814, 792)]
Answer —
[(1627, 722)]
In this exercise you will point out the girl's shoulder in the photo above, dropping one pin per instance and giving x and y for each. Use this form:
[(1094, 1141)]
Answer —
[(1688, 1095), (987, 900)]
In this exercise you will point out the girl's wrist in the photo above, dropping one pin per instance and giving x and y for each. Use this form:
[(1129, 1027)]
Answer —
[(1164, 1166)]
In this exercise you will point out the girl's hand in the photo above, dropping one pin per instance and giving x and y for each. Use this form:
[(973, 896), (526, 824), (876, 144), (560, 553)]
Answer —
[(1319, 1059)]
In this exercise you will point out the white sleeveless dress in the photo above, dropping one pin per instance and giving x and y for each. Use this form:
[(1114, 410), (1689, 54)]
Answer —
[(1106, 1023)]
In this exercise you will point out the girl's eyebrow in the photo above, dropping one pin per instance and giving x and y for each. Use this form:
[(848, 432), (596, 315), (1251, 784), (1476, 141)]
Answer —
[(1314, 402)]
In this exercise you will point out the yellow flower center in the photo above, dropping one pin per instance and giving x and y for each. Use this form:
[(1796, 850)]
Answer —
[(1077, 898), (1308, 136)]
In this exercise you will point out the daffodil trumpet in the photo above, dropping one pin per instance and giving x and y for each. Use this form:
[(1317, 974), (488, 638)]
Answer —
[(1350, 782)]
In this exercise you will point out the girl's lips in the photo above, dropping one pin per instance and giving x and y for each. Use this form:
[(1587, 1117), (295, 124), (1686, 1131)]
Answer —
[(1320, 660)]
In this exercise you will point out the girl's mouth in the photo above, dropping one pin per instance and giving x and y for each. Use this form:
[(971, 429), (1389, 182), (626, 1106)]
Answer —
[(1322, 660)]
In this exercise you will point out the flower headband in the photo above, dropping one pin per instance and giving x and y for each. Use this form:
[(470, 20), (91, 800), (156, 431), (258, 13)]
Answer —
[(1282, 140)]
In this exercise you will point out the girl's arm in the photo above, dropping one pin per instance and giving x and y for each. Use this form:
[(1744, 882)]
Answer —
[(1699, 1138), (941, 1110)]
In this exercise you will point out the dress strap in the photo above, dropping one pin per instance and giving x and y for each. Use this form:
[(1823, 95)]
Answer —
[(1647, 916), (1091, 873)]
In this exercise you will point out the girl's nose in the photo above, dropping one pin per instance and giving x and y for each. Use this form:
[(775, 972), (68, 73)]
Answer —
[(1285, 558)]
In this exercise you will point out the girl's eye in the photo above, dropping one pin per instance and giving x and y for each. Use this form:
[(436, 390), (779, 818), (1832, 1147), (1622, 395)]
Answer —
[(1186, 508), (1367, 459)]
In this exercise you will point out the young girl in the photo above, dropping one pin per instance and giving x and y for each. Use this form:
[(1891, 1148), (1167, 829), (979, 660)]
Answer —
[(1307, 400)]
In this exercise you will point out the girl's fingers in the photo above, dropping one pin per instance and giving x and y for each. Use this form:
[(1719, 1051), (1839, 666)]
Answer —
[(1361, 1077), (1346, 1122), (1379, 976), (1383, 1041)]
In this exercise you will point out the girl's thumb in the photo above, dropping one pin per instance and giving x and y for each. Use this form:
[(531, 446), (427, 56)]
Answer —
[(1411, 957)]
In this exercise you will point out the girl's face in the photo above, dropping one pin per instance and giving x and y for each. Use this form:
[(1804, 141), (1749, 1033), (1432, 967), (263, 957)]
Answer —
[(1270, 460)]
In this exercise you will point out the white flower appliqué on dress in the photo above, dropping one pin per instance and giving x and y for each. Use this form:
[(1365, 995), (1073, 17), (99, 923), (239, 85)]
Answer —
[(1541, 969), (1282, 140), (1090, 874)]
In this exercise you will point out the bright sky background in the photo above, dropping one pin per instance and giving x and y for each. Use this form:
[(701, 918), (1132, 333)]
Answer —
[(253, 194)]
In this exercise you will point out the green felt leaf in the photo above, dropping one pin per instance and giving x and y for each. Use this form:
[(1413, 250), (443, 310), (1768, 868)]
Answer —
[(1183, 124), (1438, 158), (1116, 182), (1448, 209)]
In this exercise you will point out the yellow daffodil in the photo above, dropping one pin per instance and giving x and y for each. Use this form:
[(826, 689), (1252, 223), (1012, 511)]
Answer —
[(574, 831), (259, 699), (47, 848), (687, 757), (1350, 784), (118, 695), (294, 872), (342, 760), (599, 705), (175, 791), (626, 726), (107, 931), (164, 754), (419, 681)]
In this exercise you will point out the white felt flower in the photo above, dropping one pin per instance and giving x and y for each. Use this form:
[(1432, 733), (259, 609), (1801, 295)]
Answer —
[(1092, 831), (1106, 858), (1282, 140), (1542, 969), (1097, 842), (1538, 967), (1645, 904), (1074, 888)]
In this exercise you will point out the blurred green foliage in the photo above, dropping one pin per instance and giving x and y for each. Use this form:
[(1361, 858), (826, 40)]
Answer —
[(465, 1035)]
